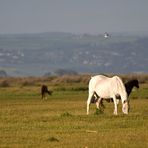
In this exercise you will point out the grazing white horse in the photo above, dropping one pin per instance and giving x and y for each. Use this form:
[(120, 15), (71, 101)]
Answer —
[(105, 87)]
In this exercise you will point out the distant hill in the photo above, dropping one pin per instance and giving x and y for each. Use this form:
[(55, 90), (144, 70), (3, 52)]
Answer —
[(38, 54)]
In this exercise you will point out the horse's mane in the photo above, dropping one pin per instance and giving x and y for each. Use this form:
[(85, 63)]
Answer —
[(121, 88), (131, 81)]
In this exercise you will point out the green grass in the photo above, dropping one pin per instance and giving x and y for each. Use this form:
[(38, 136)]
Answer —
[(61, 121)]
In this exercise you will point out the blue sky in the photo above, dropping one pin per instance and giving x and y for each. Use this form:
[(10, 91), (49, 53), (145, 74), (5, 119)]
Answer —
[(76, 16)]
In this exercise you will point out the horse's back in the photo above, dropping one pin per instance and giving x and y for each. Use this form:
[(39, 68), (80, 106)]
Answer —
[(100, 80), (98, 84), (95, 80), (106, 86)]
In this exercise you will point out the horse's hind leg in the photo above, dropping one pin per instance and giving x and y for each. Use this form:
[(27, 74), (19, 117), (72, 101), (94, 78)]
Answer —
[(44, 96), (98, 103)]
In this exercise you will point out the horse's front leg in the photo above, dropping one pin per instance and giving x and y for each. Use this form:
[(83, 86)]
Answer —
[(115, 105)]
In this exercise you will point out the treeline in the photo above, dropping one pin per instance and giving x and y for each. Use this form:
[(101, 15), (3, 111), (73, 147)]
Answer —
[(60, 80)]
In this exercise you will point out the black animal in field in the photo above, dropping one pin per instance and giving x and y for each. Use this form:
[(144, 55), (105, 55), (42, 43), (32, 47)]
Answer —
[(45, 91), (130, 84)]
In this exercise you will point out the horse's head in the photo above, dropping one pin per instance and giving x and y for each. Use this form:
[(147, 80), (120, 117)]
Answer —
[(50, 92), (125, 107)]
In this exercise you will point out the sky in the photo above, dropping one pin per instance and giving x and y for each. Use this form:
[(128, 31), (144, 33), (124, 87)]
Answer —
[(74, 16)]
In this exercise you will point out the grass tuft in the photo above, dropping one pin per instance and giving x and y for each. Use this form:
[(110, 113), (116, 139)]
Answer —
[(98, 112), (53, 139), (66, 114)]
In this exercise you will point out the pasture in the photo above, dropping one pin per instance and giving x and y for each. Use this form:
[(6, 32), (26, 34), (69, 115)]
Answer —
[(61, 121)]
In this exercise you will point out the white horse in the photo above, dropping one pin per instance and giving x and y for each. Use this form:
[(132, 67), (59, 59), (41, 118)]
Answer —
[(104, 87)]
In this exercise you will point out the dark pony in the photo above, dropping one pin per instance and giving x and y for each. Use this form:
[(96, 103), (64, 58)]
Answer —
[(44, 91), (128, 86)]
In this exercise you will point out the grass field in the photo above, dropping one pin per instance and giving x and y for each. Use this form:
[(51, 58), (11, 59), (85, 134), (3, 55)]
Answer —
[(61, 121)]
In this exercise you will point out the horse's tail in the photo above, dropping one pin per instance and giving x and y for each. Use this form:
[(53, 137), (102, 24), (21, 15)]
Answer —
[(121, 89)]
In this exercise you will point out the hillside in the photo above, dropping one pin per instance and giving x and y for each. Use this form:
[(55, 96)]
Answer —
[(38, 54)]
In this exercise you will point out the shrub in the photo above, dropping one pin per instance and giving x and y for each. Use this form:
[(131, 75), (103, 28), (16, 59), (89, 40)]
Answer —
[(3, 73), (4, 83)]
